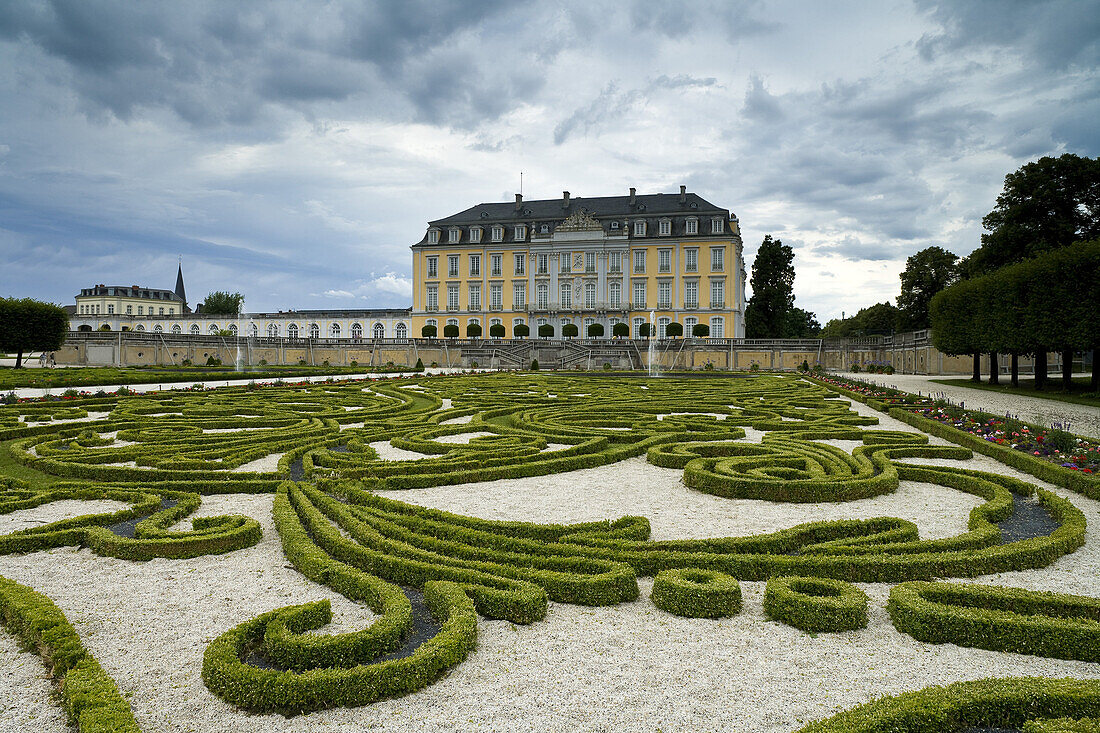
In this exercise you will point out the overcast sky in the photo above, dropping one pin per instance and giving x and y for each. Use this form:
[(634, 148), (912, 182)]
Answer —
[(294, 151)]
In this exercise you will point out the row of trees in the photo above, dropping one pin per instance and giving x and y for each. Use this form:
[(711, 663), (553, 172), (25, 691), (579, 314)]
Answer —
[(31, 325), (1044, 304), (569, 330)]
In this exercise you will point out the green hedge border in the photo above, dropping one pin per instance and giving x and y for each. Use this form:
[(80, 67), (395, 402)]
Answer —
[(816, 604), (696, 593)]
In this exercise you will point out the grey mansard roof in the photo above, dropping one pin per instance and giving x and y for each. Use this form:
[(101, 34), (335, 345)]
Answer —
[(645, 205)]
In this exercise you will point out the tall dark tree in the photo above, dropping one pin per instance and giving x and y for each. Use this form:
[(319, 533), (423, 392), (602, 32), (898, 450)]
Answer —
[(772, 290), (926, 273), (221, 303), (1045, 205), (801, 324), (31, 325)]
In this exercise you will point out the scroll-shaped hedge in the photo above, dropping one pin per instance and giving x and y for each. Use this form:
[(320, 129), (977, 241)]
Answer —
[(696, 593), (816, 604), (89, 695), (272, 690), (1062, 725), (999, 703), (999, 619)]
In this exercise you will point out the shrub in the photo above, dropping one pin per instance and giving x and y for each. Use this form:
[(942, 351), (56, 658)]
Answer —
[(569, 330), (185, 362), (700, 330), (696, 593), (450, 331), (428, 331), (644, 330), (595, 330), (473, 330), (804, 366), (546, 330), (816, 604), (754, 367), (213, 361), (419, 364), (674, 329), (534, 365), (522, 330), (607, 366), (620, 330), (354, 363), (497, 330), (263, 362)]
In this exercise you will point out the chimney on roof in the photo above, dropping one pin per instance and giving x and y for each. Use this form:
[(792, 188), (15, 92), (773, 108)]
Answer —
[(565, 199), (633, 195), (519, 201), (683, 194)]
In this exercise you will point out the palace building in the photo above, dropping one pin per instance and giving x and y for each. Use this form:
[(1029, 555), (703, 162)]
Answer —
[(606, 260)]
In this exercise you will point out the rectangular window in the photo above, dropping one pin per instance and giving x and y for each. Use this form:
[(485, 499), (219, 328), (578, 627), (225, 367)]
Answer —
[(666, 227), (639, 260), (141, 310), (498, 234), (615, 294), (496, 296), (566, 295), (452, 265), (543, 264), (475, 265), (664, 295), (433, 298), (639, 295), (563, 262), (615, 262), (717, 259), (691, 260), (542, 292), (692, 226), (691, 294), (520, 233), (590, 295), (433, 237), (475, 234), (456, 234), (110, 309), (718, 327), (161, 312), (433, 267), (475, 297), (716, 226), (494, 265), (452, 297), (589, 261), (664, 260), (639, 229), (521, 264), (717, 294), (129, 309), (519, 296)]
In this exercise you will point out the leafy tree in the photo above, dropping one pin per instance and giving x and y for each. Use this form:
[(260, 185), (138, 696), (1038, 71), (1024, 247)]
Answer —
[(644, 330), (620, 330), (772, 290), (674, 329), (881, 318), (450, 331), (569, 330), (1044, 206), (546, 330), (428, 331), (31, 325), (700, 330), (473, 330), (221, 303), (522, 330), (926, 273), (595, 330), (801, 324), (497, 330)]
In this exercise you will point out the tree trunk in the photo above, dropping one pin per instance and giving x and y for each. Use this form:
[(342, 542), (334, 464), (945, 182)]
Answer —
[(977, 376), (1067, 370), (19, 359), (994, 369), (1015, 370), (1040, 369)]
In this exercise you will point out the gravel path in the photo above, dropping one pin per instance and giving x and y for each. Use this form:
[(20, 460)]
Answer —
[(25, 703), (1083, 419)]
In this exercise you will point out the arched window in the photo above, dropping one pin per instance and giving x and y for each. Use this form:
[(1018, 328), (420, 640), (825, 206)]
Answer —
[(689, 324), (636, 331), (357, 331), (717, 327), (176, 328), (379, 331), (542, 295), (563, 322), (213, 330), (292, 331), (139, 327), (516, 322), (314, 331), (662, 324), (402, 331), (615, 294), (158, 328), (566, 295), (273, 330), (590, 295), (334, 331), (452, 321), (432, 322), (195, 329), (253, 330), (587, 322), (232, 328)]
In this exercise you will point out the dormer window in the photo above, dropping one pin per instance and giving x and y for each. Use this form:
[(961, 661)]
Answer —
[(716, 226), (544, 229), (639, 228), (475, 234), (692, 226), (455, 235), (433, 236), (665, 227), (519, 233), (498, 234), (614, 225)]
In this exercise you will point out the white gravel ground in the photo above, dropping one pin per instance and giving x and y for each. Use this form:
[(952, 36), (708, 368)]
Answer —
[(25, 703), (627, 667), (268, 463), (55, 511)]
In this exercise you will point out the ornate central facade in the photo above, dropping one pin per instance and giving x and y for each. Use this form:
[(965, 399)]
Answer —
[(606, 260)]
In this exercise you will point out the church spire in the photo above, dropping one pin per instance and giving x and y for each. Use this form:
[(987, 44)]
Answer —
[(180, 291)]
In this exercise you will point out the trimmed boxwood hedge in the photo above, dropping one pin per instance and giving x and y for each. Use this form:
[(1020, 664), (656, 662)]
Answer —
[(816, 604), (696, 593), (89, 695), (1000, 703), (999, 619)]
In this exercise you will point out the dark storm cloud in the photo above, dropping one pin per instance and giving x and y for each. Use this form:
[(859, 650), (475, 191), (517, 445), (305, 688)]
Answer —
[(851, 248)]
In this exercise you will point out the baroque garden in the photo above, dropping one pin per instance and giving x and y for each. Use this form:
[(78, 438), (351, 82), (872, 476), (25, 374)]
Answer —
[(543, 552)]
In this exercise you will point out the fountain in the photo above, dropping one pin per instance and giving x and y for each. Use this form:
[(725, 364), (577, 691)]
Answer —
[(654, 367), (240, 308)]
